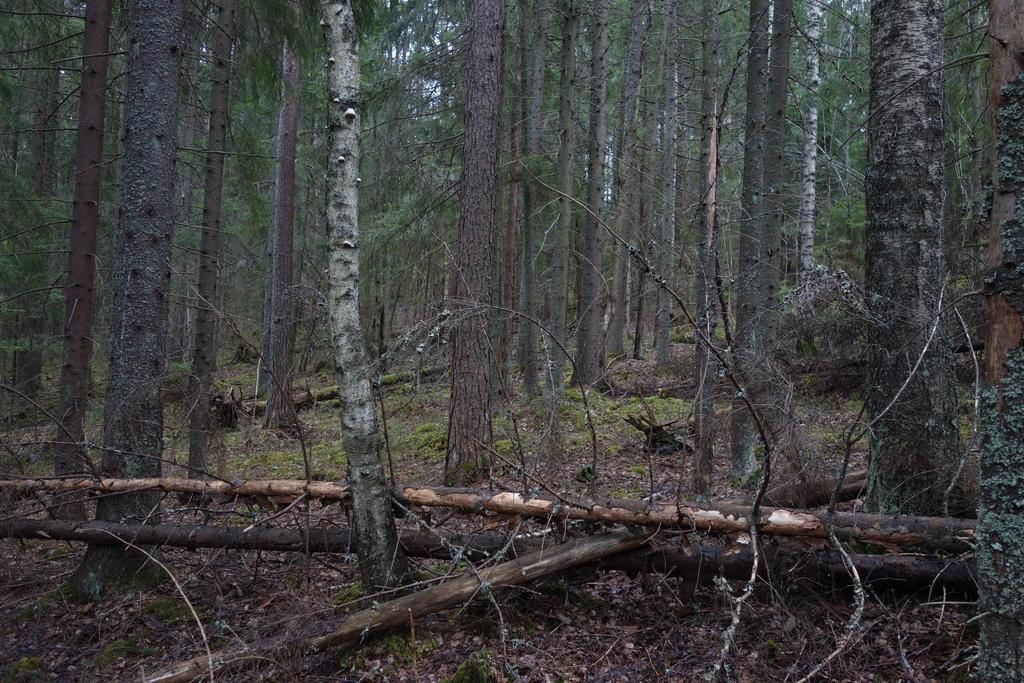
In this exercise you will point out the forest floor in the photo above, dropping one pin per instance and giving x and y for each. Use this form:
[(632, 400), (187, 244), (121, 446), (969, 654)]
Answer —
[(577, 626)]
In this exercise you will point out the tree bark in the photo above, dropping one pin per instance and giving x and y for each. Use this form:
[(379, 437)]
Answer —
[(554, 374), (1000, 518), (667, 237), (705, 365), (70, 454), (911, 403), (282, 299), (204, 357), (133, 413), (381, 562), (469, 424), (589, 351), (810, 171), (743, 461), (627, 175), (533, 107)]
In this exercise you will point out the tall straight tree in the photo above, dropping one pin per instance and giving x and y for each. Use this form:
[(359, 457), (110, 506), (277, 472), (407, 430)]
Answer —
[(752, 219), (626, 174), (381, 561), (589, 351), (910, 402), (808, 199), (533, 107), (1001, 513), (555, 372), (204, 357), (282, 300), (85, 216), (469, 424), (133, 417), (705, 365), (667, 238)]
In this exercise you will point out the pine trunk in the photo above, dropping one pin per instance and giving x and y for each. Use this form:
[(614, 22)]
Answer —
[(133, 413), (589, 351), (627, 176), (282, 299), (752, 212), (381, 562), (469, 425), (533, 107), (705, 365), (204, 357), (911, 402), (555, 372), (1000, 522), (667, 172)]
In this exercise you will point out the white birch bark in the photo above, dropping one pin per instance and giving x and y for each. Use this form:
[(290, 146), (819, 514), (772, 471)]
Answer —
[(808, 200)]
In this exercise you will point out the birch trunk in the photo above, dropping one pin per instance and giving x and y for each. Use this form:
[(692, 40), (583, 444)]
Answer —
[(810, 159), (381, 562), (915, 440), (1000, 522)]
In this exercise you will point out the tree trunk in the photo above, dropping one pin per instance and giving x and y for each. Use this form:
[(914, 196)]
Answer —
[(533, 107), (589, 352), (70, 454), (627, 176), (810, 172), (381, 563), (705, 365), (750, 244), (469, 424), (667, 237), (204, 357), (1000, 522), (911, 402), (555, 372), (282, 299), (133, 413)]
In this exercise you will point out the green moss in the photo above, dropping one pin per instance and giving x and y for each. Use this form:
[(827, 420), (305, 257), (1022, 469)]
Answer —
[(428, 441), (25, 670), (117, 650), (504, 447), (396, 647), (476, 669), (330, 453), (638, 470), (586, 474), (170, 610), (347, 597)]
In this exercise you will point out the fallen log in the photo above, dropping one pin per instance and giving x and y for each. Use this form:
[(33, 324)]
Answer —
[(695, 563), (934, 533), (402, 610)]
